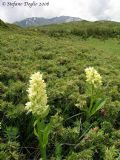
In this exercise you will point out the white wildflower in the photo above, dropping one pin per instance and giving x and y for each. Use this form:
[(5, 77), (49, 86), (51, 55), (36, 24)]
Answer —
[(93, 77), (37, 96)]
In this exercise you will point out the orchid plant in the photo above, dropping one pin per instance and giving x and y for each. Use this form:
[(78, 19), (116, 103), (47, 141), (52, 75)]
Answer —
[(93, 83), (38, 106)]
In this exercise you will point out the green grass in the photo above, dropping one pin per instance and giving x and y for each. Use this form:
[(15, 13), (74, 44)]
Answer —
[(61, 55)]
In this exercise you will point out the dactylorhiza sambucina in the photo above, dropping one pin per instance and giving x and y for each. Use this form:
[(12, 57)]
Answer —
[(93, 77), (37, 96)]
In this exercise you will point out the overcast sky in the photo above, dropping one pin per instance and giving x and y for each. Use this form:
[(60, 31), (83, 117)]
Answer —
[(85, 9)]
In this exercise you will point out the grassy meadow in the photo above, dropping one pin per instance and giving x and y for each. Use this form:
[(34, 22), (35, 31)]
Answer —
[(61, 52)]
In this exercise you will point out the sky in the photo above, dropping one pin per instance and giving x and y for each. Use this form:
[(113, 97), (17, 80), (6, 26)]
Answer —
[(91, 10)]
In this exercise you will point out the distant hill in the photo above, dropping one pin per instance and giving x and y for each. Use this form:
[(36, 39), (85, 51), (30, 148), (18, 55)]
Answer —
[(9, 27), (2, 24), (35, 21)]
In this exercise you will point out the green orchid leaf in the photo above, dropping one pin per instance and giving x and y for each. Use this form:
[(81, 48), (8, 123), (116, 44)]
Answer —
[(47, 131), (97, 106), (35, 131)]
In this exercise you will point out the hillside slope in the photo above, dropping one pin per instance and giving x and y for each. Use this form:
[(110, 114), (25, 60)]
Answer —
[(61, 53), (2, 24), (85, 29)]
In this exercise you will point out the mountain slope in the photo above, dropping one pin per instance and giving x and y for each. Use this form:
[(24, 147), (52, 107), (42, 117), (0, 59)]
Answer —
[(61, 53), (2, 24), (35, 21), (9, 27)]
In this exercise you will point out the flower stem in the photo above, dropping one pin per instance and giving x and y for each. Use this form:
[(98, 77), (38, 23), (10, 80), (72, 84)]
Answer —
[(43, 153), (91, 101)]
